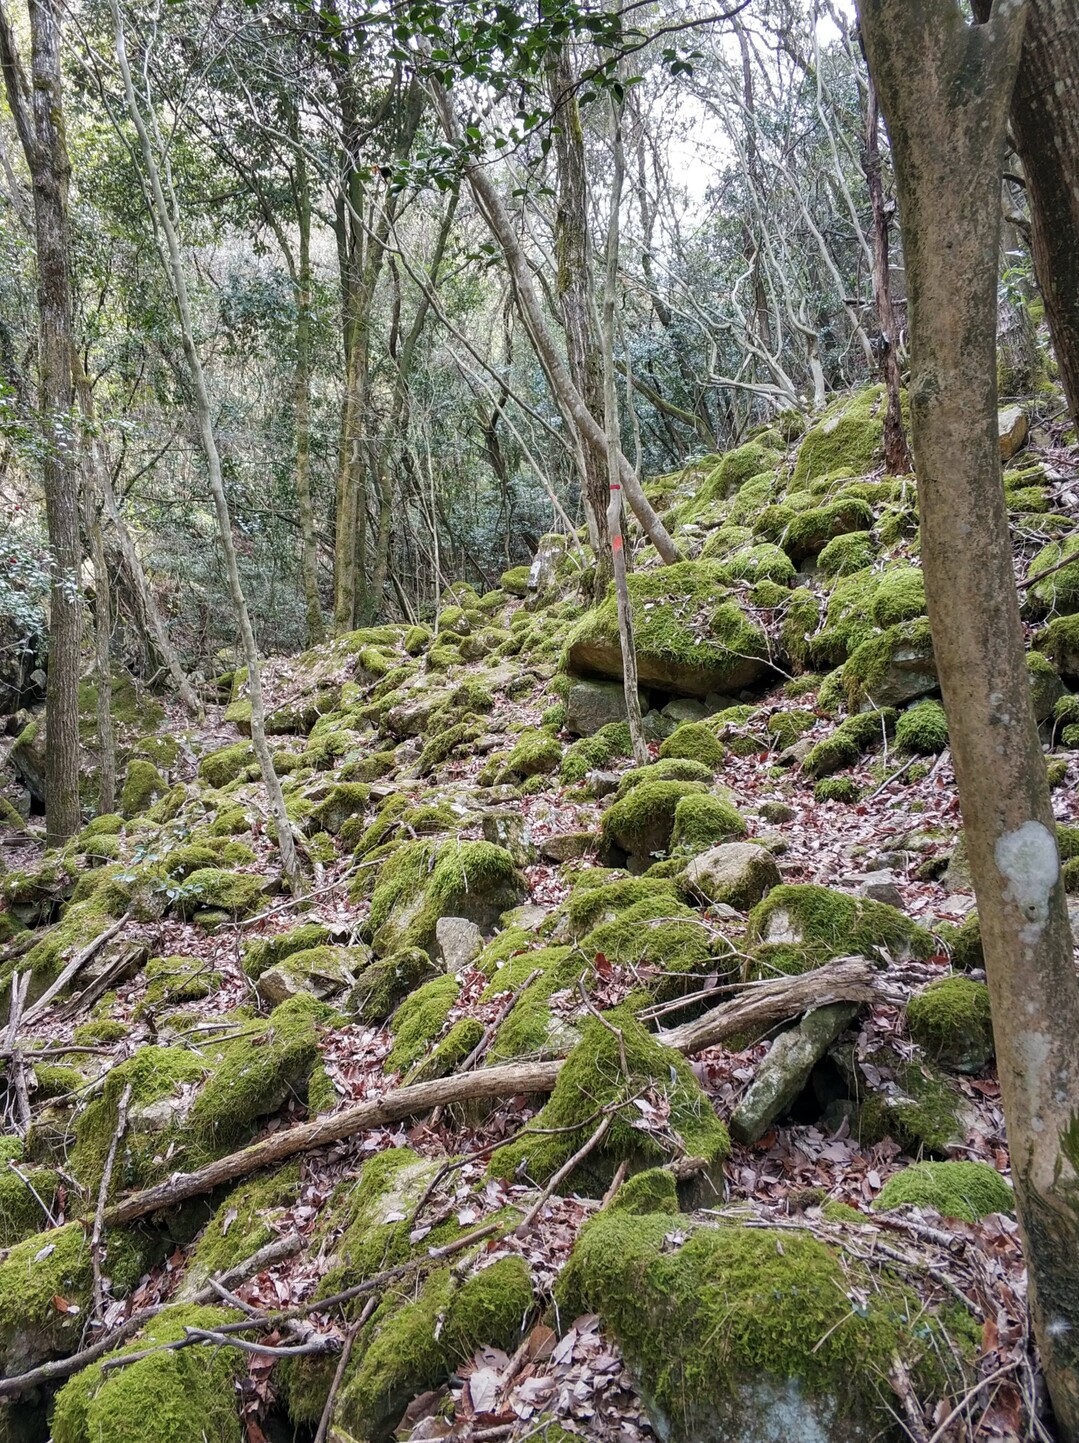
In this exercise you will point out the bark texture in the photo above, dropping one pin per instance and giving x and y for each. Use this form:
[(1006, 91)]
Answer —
[(37, 109), (945, 89)]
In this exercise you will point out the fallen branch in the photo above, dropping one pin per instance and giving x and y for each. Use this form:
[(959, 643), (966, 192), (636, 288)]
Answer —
[(61, 1368), (20, 986), (342, 1364), (848, 979), (563, 1172), (96, 1248), (77, 962)]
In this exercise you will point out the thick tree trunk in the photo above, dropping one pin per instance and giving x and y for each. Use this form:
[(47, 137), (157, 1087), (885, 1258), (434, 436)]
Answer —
[(173, 260), (38, 113), (575, 292), (945, 89)]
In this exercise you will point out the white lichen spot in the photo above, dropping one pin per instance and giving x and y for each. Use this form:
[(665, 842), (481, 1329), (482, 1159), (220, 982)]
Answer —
[(1058, 1327), (1027, 860)]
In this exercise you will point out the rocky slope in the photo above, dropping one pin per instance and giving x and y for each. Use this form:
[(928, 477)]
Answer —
[(708, 1223)]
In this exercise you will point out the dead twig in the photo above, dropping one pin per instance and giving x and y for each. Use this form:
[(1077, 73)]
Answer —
[(489, 1033), (563, 1172), (342, 1364), (1002, 1372), (77, 962), (96, 1248)]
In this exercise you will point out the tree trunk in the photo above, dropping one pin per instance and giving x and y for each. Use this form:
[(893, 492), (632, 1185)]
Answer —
[(897, 460), (945, 89), (574, 289), (173, 260), (301, 400), (1045, 123), (38, 113)]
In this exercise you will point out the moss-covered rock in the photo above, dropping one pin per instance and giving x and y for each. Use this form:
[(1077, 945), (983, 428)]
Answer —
[(1046, 688), (172, 1395), (950, 1021), (242, 1224), (43, 1268), (219, 768), (21, 1212), (894, 667), (758, 563), (967, 1190), (667, 769), (262, 952), (322, 972), (898, 596), (423, 881), (846, 745), (694, 741), (1059, 641), (701, 822), (853, 551), (837, 789), (922, 728), (850, 437), (642, 822), (690, 639), (143, 786), (593, 1077), (419, 1021), (342, 802), (736, 1332), (966, 945), (807, 533), (837, 923), (535, 753), (212, 888), (738, 874), (385, 983)]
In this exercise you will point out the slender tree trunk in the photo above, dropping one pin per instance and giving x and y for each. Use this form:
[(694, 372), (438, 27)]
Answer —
[(945, 88), (1045, 123), (37, 109), (558, 377), (611, 425), (106, 739), (173, 259), (897, 459), (575, 292), (301, 401)]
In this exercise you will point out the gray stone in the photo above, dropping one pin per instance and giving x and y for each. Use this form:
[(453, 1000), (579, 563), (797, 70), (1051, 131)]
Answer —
[(881, 887), (1012, 427), (957, 876), (687, 709), (384, 985), (736, 873), (657, 727), (783, 1074), (457, 942), (543, 573), (567, 846), (593, 704), (321, 972), (911, 672), (603, 784), (509, 829)]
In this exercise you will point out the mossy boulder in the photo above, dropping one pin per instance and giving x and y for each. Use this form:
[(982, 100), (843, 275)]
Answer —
[(143, 786), (701, 822), (242, 1223), (52, 1265), (848, 742), (342, 802), (212, 888), (423, 881), (893, 668), (1059, 641), (664, 941), (966, 945), (385, 983), (322, 972), (694, 741), (690, 638), (534, 754), (172, 1395), (262, 952), (592, 1077), (850, 437), (951, 1022), (738, 874), (807, 533), (737, 1332), (922, 728), (21, 1212), (836, 923), (967, 1190), (642, 822), (853, 551), (219, 768)]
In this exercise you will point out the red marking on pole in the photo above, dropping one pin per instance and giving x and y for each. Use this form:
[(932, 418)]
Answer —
[(616, 543), (615, 486)]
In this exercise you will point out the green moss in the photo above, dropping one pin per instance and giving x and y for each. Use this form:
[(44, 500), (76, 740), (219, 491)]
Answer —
[(176, 980), (21, 1214), (531, 1029), (264, 952), (844, 748), (787, 726), (170, 1395), (423, 881), (739, 465), (388, 981), (417, 1347), (242, 1223), (446, 1057), (219, 768), (837, 789), (837, 923), (534, 754), (846, 554), (868, 666), (737, 1331), (850, 436), (593, 753), (419, 1020), (642, 822), (157, 1075), (694, 741), (257, 1074), (899, 596), (56, 1080), (591, 1078), (237, 893), (46, 1266), (807, 533), (950, 1021), (922, 728), (921, 1109), (100, 1030), (143, 786), (669, 769), (701, 822), (847, 620), (763, 562), (649, 1192), (345, 800), (1058, 592), (967, 1190), (596, 901), (680, 617)]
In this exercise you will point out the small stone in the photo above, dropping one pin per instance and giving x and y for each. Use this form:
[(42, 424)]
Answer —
[(737, 873), (593, 704), (567, 846), (1012, 427), (775, 812), (510, 830), (686, 709), (881, 887), (783, 1074), (457, 942), (603, 783)]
